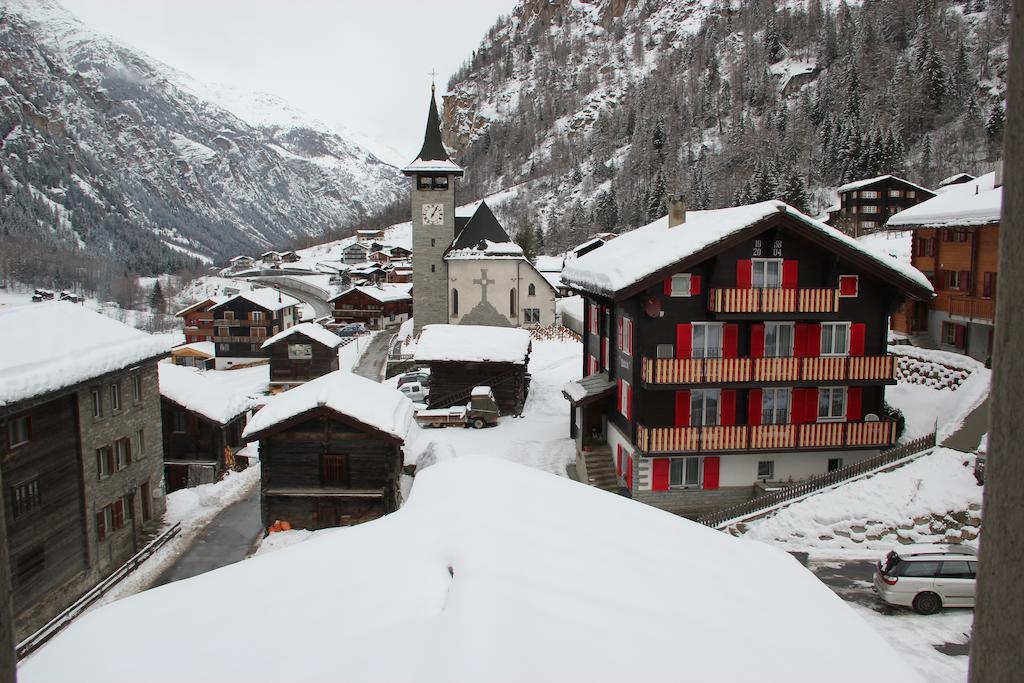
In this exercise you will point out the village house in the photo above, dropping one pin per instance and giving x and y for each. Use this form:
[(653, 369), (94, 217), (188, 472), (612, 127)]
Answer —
[(956, 244), (369, 235), (195, 355), (461, 357), (289, 257), (591, 244), (241, 263), (203, 415), (355, 253), (270, 258), (376, 306), (197, 319), (301, 353), (243, 322), (952, 181), (81, 463), (865, 205), (331, 452), (727, 347)]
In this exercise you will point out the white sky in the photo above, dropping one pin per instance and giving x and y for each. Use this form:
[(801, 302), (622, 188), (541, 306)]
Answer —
[(363, 65)]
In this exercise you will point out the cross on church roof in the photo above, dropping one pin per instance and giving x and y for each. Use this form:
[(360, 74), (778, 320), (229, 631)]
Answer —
[(433, 78)]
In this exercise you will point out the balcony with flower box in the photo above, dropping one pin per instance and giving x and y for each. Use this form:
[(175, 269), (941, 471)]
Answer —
[(773, 300), (766, 437)]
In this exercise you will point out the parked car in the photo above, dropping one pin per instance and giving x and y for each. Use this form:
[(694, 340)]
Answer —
[(416, 392), (414, 376), (481, 411), (351, 330), (927, 577)]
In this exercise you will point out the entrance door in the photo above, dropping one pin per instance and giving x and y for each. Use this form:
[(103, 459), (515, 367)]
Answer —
[(177, 479)]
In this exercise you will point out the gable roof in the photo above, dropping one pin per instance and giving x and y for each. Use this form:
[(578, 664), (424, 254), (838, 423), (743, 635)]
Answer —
[(482, 226), (977, 202), (310, 330), (211, 300), (473, 344), (856, 184), (634, 260), (385, 293), (433, 157), (955, 179), (265, 297), (218, 395)]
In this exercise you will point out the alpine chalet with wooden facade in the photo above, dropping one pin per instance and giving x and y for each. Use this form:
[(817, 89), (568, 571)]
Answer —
[(865, 205), (735, 346), (242, 323)]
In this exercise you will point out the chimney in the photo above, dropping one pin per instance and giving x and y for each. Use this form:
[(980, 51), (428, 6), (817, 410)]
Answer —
[(999, 174), (676, 210)]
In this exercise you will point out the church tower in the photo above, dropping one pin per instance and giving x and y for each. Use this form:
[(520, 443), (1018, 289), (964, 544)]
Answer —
[(433, 222)]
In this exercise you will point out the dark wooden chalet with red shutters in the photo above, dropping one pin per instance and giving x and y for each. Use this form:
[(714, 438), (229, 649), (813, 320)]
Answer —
[(733, 347)]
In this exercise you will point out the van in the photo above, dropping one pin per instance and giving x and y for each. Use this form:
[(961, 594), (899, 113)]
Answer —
[(927, 577)]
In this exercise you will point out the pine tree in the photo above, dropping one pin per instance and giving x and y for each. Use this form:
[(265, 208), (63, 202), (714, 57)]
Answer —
[(772, 44), (794, 192), (538, 238), (157, 302), (525, 238), (656, 199), (606, 214), (994, 129)]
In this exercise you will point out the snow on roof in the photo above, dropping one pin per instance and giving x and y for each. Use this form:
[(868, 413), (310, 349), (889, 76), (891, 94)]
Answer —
[(637, 254), (433, 166), (549, 264), (977, 202), (241, 258), (384, 293), (473, 343), (266, 297), (487, 249), (469, 584), (220, 395), (849, 187), (219, 299), (52, 345), (312, 330), (206, 348), (375, 405), (956, 177)]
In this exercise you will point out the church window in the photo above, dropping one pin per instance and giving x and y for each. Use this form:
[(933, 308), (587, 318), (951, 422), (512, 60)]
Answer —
[(531, 315), (441, 182), (512, 303), (532, 290), (424, 182), (455, 302), (432, 242), (432, 269)]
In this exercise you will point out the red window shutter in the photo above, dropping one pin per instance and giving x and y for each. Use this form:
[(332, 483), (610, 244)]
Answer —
[(659, 474), (682, 409), (848, 285), (744, 274), (789, 274), (728, 416), (629, 472), (694, 285), (684, 340), (857, 334), (711, 473), (800, 340), (754, 407), (668, 286), (988, 280), (618, 394), (618, 459), (813, 340), (961, 336), (965, 280), (810, 405), (730, 340), (757, 340), (629, 402), (853, 399), (101, 526)]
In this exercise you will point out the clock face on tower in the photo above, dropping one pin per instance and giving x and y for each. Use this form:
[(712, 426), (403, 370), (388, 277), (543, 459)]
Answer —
[(433, 214)]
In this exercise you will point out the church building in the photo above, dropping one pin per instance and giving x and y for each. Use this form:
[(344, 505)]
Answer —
[(466, 269)]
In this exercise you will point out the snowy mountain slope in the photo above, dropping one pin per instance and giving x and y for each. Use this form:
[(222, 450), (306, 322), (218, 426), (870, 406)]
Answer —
[(107, 148)]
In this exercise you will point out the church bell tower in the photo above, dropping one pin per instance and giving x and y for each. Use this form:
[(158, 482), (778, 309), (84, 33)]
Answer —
[(433, 222)]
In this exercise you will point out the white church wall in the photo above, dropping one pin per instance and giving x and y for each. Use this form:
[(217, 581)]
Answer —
[(484, 293)]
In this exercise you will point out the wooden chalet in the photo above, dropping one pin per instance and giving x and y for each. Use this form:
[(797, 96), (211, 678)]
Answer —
[(369, 235), (461, 357), (289, 257), (865, 205), (399, 253), (376, 306), (355, 253), (195, 355), (243, 322), (732, 347), (301, 353), (197, 319), (331, 452)]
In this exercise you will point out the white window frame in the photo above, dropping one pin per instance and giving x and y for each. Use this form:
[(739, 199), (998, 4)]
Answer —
[(778, 352), (139, 449), (531, 315), (115, 397), (762, 264), (771, 398), (869, 224), (681, 285), (870, 208), (677, 471), (97, 403), (768, 472), (300, 351), (102, 464), (705, 398), (844, 333), (911, 194), (624, 398), (625, 341), (137, 387), (869, 194), (705, 351), (122, 454), (257, 316), (895, 194), (830, 403), (19, 431), (179, 422)]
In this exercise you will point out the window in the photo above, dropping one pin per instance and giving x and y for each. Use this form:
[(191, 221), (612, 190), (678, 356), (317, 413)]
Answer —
[(778, 340), (835, 339), (923, 569), (954, 235), (432, 243), (257, 316), (224, 347), (333, 470), (954, 334), (19, 431), (455, 302), (766, 273), (531, 290), (592, 320), (110, 518), (223, 331), (681, 285), (139, 448), (870, 208), (512, 303), (956, 569), (704, 407), (30, 563), (25, 497), (869, 194), (300, 351), (848, 285), (775, 406), (834, 464), (423, 182), (432, 266), (666, 351), (259, 332), (104, 462), (684, 472), (911, 194), (766, 469), (531, 315), (707, 340), (178, 421), (123, 449), (128, 505), (97, 403), (441, 182), (147, 512), (229, 315), (625, 341), (137, 387), (925, 246), (896, 194), (868, 225), (831, 404), (958, 279), (625, 398)]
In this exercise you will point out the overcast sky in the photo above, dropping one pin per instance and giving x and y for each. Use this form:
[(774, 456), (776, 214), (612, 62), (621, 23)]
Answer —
[(363, 65)]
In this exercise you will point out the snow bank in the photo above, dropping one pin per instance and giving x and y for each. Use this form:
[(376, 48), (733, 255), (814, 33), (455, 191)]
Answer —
[(466, 583), (220, 395), (473, 343)]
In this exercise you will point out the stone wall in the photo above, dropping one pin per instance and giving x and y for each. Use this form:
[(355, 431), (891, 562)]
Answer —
[(430, 288)]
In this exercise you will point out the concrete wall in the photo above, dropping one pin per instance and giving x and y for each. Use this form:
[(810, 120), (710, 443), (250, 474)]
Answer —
[(430, 289), (508, 274)]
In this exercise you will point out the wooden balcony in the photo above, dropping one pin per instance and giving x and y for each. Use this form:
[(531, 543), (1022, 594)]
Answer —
[(239, 340), (973, 308), (812, 436), (243, 323), (733, 300), (673, 371)]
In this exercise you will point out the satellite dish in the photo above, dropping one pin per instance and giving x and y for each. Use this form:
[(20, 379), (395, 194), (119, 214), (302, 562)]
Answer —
[(871, 417), (652, 306)]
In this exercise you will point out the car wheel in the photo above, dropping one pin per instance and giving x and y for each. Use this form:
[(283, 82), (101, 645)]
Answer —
[(927, 603), (478, 423)]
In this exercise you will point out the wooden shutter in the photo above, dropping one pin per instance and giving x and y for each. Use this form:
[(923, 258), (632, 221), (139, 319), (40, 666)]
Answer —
[(629, 471), (853, 403), (119, 513), (101, 526), (754, 407), (711, 473), (730, 340), (684, 340), (800, 340), (789, 274), (629, 401), (988, 288), (811, 405), (848, 285), (728, 407), (961, 336), (682, 409), (757, 340), (744, 274), (694, 285), (659, 474), (813, 340), (667, 287), (857, 334), (965, 280), (619, 465)]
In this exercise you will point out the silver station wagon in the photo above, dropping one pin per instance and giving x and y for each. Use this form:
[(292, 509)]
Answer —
[(927, 577)]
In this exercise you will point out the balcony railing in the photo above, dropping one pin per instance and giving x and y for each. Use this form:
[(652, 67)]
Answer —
[(733, 300), (239, 340), (815, 435), (738, 370), (225, 322), (973, 308)]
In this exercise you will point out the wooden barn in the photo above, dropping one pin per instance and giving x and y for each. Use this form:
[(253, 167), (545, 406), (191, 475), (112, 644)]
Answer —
[(461, 357), (331, 452), (301, 353)]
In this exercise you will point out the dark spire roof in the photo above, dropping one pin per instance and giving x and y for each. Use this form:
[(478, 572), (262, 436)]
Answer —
[(433, 148), (482, 226)]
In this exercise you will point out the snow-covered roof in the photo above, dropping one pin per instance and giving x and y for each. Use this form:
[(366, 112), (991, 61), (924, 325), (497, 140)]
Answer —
[(207, 348), (487, 249), (380, 407), (977, 202), (553, 279), (956, 178), (385, 293), (266, 297), (212, 300), (591, 386), (220, 395), (241, 257), (432, 166), (470, 584), (640, 253), (473, 343), (48, 346), (315, 332), (549, 264), (857, 184)]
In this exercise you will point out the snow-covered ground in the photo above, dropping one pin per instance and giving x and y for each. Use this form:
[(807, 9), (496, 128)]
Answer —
[(915, 637)]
